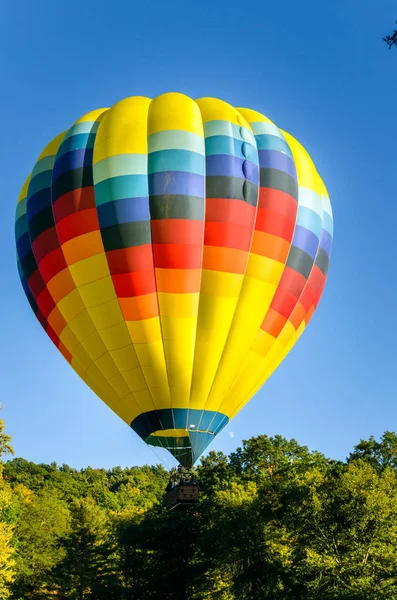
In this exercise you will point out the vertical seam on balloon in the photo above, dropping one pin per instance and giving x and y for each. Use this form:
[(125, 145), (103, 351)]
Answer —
[(77, 289), (129, 334), (269, 370), (155, 275), (38, 269), (201, 276), (239, 294), (239, 370)]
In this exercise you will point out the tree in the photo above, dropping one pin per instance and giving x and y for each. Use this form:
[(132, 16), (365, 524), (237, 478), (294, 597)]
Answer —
[(7, 561), (88, 568), (391, 40), (380, 454), (40, 520), (5, 441)]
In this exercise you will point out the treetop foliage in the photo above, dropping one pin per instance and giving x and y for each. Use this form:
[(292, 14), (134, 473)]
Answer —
[(275, 521)]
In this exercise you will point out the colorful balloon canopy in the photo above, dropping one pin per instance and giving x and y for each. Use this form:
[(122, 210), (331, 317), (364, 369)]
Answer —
[(174, 251)]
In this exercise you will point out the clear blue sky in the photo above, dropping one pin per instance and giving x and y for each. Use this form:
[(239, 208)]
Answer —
[(319, 70)]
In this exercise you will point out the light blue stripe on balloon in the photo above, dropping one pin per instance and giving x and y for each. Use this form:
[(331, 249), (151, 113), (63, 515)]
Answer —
[(121, 164), (310, 220), (328, 223), (40, 182), (44, 164), (85, 127), (176, 140), (117, 188), (213, 128), (309, 199), (176, 160), (21, 209), (326, 205), (260, 127), (223, 144), (76, 142), (21, 227), (272, 142)]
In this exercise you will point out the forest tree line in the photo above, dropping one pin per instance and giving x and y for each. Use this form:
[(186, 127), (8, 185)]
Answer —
[(274, 520)]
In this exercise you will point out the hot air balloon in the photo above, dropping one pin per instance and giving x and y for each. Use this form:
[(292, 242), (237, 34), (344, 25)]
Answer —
[(174, 251)]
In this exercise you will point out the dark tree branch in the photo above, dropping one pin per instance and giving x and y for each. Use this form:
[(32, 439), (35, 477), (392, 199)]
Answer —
[(391, 40)]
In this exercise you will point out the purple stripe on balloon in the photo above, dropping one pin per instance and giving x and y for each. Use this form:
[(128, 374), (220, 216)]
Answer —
[(305, 240), (326, 241), (38, 202), (270, 159), (72, 160), (231, 166), (176, 182)]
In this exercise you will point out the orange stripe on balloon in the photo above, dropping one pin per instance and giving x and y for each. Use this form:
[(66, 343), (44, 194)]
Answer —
[(56, 320), (83, 246), (273, 323), (178, 281), (271, 246), (139, 307), (61, 285), (228, 260)]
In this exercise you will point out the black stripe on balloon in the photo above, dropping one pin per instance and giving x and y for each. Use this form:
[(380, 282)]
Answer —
[(322, 261), (233, 188), (40, 222), (29, 265), (278, 180), (300, 261), (174, 206), (71, 180), (125, 235)]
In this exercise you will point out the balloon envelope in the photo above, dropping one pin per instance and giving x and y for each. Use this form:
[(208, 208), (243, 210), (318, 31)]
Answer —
[(174, 251)]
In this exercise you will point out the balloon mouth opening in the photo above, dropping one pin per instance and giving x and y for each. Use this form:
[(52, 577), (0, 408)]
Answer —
[(177, 442), (185, 433)]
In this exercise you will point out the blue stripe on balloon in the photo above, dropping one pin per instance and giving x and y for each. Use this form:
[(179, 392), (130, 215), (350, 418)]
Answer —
[(126, 210), (326, 242), (176, 182), (72, 160), (305, 240), (38, 202), (23, 245), (231, 166), (269, 159)]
